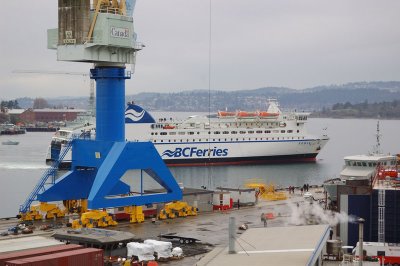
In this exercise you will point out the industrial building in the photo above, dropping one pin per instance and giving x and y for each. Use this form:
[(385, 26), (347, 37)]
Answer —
[(49, 115), (272, 246), (380, 209)]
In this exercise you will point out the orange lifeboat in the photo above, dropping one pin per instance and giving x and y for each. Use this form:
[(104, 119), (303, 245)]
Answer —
[(264, 114), (226, 114), (243, 114), (168, 127)]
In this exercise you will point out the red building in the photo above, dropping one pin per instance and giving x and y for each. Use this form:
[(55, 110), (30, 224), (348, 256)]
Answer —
[(49, 115)]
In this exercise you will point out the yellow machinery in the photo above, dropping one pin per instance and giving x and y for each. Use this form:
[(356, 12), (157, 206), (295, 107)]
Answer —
[(94, 218), (136, 213), (76, 206), (36, 212), (267, 192), (177, 209)]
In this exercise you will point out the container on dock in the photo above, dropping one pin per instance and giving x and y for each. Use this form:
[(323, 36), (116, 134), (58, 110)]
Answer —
[(36, 252), (243, 196), (222, 200), (79, 257)]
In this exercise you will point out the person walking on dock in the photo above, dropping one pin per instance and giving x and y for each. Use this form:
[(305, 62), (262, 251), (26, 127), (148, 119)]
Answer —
[(264, 219)]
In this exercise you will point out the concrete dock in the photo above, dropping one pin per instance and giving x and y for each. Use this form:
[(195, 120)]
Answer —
[(211, 228)]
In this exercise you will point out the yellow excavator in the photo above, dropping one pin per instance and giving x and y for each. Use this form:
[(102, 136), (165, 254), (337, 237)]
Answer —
[(94, 218), (177, 209), (43, 209)]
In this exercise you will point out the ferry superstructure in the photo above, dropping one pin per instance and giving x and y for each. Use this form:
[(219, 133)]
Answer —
[(238, 137)]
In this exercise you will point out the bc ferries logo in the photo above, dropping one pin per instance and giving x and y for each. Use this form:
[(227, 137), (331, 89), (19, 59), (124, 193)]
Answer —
[(133, 115), (195, 152), (136, 114)]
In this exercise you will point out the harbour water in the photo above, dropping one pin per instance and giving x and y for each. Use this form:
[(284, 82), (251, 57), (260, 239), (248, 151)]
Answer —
[(22, 165)]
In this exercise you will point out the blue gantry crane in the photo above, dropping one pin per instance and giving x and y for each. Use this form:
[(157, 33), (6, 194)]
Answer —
[(101, 32)]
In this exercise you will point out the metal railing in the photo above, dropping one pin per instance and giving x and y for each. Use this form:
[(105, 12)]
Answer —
[(50, 172)]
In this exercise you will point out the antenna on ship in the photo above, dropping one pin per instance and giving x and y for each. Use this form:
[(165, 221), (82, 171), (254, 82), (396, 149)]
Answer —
[(377, 147)]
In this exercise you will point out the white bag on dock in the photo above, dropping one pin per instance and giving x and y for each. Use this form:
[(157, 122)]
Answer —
[(177, 252), (144, 252), (162, 248)]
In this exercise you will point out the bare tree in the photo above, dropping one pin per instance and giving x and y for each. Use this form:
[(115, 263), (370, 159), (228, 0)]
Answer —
[(40, 103)]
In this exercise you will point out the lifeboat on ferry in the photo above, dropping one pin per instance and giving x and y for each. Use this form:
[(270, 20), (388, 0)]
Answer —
[(168, 127), (267, 115), (226, 114), (244, 114)]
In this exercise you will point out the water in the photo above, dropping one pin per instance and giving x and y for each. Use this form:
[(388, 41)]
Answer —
[(22, 165)]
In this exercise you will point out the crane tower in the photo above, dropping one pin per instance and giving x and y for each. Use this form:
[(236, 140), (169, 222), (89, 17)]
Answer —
[(101, 32)]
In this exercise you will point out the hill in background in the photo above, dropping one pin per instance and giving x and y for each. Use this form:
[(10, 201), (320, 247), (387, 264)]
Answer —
[(311, 99)]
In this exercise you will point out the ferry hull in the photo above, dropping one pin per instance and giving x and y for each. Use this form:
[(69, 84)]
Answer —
[(283, 159), (298, 158)]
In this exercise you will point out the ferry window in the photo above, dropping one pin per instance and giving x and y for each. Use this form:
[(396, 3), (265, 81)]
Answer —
[(364, 164), (162, 141), (282, 131), (225, 132), (199, 139), (298, 131), (243, 138), (181, 140), (219, 139), (191, 133), (233, 132), (152, 133), (256, 138), (237, 139), (169, 140), (277, 138), (358, 163), (198, 133), (181, 133), (163, 133), (174, 140), (156, 133), (370, 164), (187, 140), (250, 132), (213, 139), (242, 132), (259, 131), (290, 131), (217, 132), (155, 140), (209, 132), (374, 164), (172, 133), (268, 131), (348, 163), (354, 164)]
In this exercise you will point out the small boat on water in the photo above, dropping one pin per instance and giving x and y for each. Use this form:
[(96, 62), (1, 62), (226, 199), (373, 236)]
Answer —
[(10, 142)]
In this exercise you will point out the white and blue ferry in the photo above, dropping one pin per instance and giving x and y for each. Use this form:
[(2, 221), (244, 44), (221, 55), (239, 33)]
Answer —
[(238, 137)]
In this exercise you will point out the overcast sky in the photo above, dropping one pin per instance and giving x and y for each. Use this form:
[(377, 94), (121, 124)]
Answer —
[(255, 43)]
